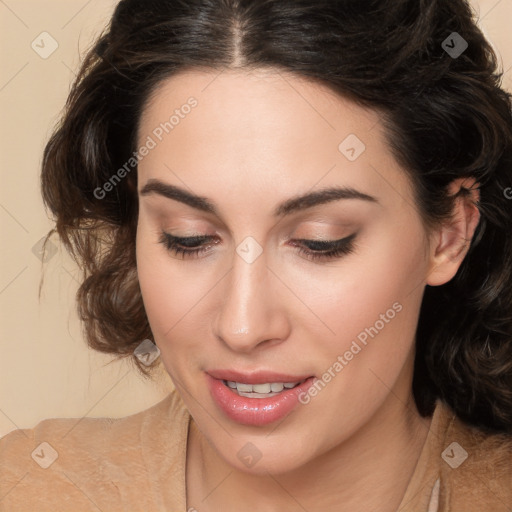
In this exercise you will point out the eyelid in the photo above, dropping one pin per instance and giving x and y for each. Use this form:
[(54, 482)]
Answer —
[(326, 242), (325, 249)]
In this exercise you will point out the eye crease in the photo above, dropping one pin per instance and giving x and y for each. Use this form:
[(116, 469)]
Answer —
[(315, 250)]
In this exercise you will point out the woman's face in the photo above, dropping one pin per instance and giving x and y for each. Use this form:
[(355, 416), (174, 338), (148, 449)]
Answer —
[(253, 306)]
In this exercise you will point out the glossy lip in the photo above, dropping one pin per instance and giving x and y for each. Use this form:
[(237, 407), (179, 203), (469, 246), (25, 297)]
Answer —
[(256, 411), (259, 377)]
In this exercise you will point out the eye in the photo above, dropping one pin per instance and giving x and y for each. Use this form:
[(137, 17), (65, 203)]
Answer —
[(327, 249), (193, 247)]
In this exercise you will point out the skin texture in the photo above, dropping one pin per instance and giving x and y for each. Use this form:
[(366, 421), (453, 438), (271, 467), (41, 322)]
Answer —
[(254, 140)]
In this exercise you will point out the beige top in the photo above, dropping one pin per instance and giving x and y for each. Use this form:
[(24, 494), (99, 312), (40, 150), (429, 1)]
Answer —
[(137, 463)]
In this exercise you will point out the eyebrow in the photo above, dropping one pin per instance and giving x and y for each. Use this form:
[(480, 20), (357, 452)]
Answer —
[(292, 205)]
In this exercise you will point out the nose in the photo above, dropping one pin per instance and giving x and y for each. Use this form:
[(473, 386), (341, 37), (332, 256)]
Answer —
[(253, 308)]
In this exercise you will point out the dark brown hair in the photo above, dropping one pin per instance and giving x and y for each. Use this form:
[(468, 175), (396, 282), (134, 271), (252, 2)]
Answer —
[(445, 115)]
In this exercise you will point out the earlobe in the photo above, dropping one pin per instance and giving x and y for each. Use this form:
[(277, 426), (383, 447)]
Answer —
[(451, 241)]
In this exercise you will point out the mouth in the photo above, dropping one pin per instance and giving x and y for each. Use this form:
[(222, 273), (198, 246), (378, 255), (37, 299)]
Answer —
[(256, 399)]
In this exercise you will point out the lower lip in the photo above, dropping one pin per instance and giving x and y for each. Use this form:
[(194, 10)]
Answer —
[(256, 411)]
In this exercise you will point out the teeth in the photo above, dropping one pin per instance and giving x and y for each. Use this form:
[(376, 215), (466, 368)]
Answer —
[(267, 389), (246, 388)]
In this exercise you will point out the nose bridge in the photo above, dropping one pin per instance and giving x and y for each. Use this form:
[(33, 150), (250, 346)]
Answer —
[(249, 313)]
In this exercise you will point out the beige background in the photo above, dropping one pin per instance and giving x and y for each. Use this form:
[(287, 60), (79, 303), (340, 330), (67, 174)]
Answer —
[(46, 369)]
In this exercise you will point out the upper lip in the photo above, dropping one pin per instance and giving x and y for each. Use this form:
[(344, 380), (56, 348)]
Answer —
[(255, 377)]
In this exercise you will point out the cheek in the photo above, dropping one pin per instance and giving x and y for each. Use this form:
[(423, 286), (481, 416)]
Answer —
[(173, 291), (160, 285), (371, 306), (386, 268)]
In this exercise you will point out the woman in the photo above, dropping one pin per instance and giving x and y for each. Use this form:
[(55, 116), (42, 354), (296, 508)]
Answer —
[(305, 204)]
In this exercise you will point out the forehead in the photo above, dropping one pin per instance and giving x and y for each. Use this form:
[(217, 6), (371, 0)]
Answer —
[(261, 127), (267, 97)]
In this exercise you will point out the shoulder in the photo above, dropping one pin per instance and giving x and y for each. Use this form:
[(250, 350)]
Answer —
[(475, 467), (89, 436), (84, 460)]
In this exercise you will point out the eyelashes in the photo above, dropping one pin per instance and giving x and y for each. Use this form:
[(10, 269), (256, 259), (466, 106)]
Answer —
[(314, 250), (326, 249)]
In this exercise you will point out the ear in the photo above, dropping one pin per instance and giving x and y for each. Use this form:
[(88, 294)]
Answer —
[(449, 244)]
